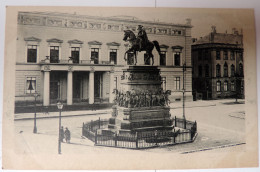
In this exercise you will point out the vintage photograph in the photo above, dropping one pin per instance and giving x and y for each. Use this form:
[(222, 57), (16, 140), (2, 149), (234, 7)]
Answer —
[(129, 88)]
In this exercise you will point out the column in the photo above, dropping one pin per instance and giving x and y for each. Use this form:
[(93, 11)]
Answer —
[(111, 87), (70, 88), (91, 87), (46, 88)]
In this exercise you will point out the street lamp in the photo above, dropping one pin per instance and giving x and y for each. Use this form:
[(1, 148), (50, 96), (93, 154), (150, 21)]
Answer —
[(60, 106), (35, 128), (183, 93)]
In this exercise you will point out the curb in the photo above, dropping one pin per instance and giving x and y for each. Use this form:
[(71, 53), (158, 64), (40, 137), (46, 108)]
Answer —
[(29, 118), (211, 148)]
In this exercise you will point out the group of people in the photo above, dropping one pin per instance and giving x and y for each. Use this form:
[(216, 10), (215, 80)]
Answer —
[(64, 134)]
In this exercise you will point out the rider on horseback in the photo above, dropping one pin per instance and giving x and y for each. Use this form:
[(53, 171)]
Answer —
[(142, 37)]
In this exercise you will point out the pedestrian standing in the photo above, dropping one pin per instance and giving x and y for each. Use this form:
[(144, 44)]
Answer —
[(67, 135), (61, 134)]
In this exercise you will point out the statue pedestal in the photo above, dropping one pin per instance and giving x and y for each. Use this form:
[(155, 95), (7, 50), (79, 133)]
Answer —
[(140, 102)]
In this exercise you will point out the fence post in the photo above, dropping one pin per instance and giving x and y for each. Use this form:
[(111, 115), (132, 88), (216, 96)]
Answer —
[(136, 142), (96, 137), (83, 129), (175, 123), (184, 121), (174, 135), (91, 125), (99, 122), (116, 140)]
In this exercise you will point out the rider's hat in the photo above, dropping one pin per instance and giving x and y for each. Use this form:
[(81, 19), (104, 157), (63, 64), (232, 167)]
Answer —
[(139, 27)]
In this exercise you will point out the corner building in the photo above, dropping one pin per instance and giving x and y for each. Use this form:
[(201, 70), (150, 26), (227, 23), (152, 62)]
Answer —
[(78, 58), (218, 70)]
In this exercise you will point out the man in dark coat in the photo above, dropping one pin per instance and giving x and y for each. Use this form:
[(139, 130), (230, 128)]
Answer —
[(67, 135), (142, 36)]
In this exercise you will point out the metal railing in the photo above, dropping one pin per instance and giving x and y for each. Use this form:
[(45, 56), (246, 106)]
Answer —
[(64, 61), (138, 140)]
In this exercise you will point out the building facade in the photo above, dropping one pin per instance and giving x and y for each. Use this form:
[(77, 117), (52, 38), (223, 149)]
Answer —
[(76, 58), (217, 61)]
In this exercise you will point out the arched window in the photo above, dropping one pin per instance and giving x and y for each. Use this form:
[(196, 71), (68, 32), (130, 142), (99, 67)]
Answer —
[(218, 70), (218, 85), (225, 70), (241, 72), (226, 86), (232, 70)]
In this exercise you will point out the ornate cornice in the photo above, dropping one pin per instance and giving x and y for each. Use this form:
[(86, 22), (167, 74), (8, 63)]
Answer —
[(75, 41), (54, 40), (113, 24), (32, 39), (113, 44), (94, 43), (217, 46)]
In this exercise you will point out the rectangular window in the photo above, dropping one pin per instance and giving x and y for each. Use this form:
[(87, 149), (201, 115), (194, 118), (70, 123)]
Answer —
[(225, 55), (232, 86), (177, 59), (199, 55), (217, 55), (163, 58), (177, 83), (30, 85), (218, 86), (232, 55), (206, 71), (31, 53), (163, 83), (113, 56), (95, 55), (54, 54), (206, 55), (115, 82), (225, 86), (75, 54), (200, 71)]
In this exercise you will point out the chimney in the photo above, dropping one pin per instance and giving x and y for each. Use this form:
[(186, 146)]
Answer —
[(213, 29)]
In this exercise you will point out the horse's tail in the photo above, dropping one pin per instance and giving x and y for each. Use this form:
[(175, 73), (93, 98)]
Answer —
[(156, 44)]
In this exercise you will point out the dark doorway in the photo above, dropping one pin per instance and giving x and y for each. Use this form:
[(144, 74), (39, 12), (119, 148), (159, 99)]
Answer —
[(54, 90)]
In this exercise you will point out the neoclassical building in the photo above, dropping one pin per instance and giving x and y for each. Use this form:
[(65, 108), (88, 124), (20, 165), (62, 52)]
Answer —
[(217, 60), (78, 58)]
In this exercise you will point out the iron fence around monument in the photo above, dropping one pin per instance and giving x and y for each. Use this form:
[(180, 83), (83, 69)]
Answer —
[(139, 140)]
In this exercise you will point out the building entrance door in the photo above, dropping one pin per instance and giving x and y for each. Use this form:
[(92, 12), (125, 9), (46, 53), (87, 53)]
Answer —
[(54, 90)]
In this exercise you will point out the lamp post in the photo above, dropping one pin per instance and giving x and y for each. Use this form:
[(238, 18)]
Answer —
[(35, 128), (60, 106), (183, 93)]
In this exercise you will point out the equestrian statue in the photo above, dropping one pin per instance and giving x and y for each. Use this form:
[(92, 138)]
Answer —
[(140, 43)]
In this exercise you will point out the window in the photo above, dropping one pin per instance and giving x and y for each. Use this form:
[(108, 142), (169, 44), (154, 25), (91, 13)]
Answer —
[(177, 83), (30, 85), (75, 54), (232, 70), (163, 83), (163, 58), (226, 86), (240, 56), (241, 72), (225, 55), (95, 55), (177, 59), (218, 70), (199, 55), (31, 53), (54, 54), (113, 56), (225, 70), (218, 85), (232, 55), (232, 86), (217, 55), (115, 82), (206, 54), (200, 70), (206, 70), (146, 59)]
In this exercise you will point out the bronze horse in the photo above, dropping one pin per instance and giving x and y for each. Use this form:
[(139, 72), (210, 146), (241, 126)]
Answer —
[(130, 36)]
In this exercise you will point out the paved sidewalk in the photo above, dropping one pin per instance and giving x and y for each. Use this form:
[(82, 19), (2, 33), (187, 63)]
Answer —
[(25, 116)]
